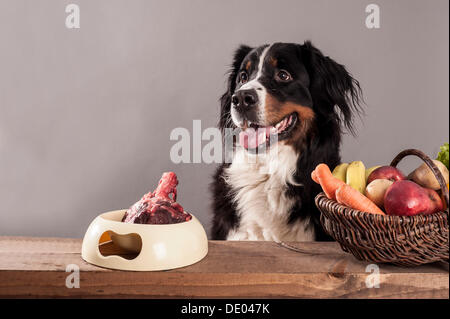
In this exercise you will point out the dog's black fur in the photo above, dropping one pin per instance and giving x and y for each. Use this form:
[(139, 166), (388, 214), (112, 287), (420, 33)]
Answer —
[(334, 96)]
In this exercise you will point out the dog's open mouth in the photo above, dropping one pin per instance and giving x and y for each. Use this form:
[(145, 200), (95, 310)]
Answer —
[(254, 136)]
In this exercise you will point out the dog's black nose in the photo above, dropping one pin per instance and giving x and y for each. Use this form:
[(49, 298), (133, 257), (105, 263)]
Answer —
[(245, 99)]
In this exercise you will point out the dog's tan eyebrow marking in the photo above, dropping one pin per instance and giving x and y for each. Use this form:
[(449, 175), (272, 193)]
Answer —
[(273, 61), (248, 65)]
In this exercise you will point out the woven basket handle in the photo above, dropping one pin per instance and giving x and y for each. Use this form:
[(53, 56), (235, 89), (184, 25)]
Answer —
[(430, 164)]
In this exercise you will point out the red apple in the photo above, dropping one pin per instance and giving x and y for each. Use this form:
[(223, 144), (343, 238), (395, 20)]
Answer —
[(436, 200), (406, 198), (386, 172)]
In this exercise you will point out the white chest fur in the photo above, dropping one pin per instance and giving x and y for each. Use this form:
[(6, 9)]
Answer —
[(258, 184)]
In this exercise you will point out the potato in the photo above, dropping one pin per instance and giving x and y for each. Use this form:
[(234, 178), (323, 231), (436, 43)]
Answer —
[(425, 177), (376, 189)]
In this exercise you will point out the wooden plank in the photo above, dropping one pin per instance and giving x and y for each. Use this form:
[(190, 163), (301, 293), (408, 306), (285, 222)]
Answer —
[(35, 267)]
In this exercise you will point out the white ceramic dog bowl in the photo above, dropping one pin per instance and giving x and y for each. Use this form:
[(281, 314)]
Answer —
[(159, 247)]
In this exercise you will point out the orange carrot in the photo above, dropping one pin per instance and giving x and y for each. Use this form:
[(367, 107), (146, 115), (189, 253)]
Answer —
[(328, 182), (314, 177), (348, 196)]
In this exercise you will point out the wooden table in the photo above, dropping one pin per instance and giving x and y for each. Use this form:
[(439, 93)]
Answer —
[(36, 267)]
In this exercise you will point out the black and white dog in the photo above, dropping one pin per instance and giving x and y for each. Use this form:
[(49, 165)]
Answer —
[(303, 98)]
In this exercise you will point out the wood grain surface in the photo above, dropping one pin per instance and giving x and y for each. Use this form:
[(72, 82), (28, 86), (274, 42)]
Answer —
[(36, 267)]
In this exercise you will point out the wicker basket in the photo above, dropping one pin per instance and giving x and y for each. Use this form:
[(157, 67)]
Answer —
[(400, 240)]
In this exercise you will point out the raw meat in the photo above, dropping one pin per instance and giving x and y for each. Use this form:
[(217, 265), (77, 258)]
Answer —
[(159, 207)]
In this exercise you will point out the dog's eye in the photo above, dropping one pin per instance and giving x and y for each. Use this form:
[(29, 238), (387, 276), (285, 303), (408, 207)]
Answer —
[(243, 77), (283, 76)]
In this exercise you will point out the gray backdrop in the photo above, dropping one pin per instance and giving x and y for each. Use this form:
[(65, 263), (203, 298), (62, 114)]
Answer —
[(85, 115)]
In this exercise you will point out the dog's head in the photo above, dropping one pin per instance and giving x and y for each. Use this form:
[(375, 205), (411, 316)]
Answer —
[(287, 90)]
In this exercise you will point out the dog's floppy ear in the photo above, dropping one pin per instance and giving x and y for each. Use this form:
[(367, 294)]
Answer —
[(225, 100), (331, 86)]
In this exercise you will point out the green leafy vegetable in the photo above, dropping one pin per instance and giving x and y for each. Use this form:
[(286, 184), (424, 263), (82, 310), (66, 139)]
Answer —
[(443, 154)]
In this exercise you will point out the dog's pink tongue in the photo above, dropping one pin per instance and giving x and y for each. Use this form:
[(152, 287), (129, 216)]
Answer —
[(251, 138)]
